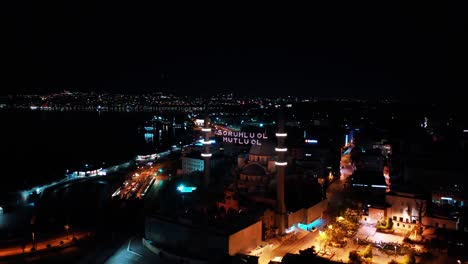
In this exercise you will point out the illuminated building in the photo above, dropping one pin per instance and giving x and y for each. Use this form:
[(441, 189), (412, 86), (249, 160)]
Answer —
[(257, 171), (194, 161), (409, 209)]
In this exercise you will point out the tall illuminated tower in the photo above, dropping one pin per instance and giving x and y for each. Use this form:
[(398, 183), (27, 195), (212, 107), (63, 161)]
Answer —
[(281, 172), (206, 155)]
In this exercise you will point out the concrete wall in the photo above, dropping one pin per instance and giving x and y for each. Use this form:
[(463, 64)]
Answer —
[(377, 214), (439, 222), (307, 215), (405, 209), (245, 239), (316, 211), (185, 239), (296, 217)]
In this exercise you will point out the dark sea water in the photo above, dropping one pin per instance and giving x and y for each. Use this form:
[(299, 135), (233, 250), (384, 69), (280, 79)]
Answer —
[(38, 147)]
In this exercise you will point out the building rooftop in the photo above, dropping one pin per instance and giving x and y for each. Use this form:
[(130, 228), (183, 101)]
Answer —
[(373, 178), (254, 169)]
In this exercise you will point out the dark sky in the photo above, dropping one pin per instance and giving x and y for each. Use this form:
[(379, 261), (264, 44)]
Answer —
[(383, 49)]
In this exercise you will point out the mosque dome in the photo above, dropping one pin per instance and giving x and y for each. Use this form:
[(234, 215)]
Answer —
[(267, 148), (254, 169)]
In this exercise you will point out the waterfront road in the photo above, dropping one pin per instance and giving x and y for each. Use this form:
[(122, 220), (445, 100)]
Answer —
[(42, 244)]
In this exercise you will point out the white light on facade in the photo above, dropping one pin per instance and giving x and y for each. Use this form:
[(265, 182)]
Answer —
[(281, 163), (281, 149), (281, 134), (206, 155), (206, 129)]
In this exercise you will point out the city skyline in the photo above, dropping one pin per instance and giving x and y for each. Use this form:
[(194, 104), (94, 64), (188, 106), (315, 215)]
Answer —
[(354, 50)]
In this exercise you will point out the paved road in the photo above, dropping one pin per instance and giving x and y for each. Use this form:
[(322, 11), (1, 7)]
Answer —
[(289, 246), (41, 244), (133, 251)]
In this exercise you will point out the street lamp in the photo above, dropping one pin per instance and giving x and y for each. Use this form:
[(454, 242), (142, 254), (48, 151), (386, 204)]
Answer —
[(321, 181), (395, 248), (34, 240), (323, 239), (67, 228)]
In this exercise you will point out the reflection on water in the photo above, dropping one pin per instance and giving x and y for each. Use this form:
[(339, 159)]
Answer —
[(39, 147)]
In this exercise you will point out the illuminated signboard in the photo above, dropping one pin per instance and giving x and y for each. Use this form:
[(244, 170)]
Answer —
[(186, 189), (241, 138), (311, 141)]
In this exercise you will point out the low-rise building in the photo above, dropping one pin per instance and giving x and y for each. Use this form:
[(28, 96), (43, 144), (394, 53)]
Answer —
[(193, 162)]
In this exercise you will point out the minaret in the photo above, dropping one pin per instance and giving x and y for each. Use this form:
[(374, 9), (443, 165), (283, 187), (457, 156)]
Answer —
[(281, 172), (206, 155)]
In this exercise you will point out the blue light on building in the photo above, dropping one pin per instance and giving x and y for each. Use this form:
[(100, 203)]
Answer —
[(314, 224), (186, 189)]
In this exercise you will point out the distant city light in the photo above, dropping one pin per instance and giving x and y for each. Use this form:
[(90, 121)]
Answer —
[(311, 141), (211, 141), (465, 130), (446, 198), (199, 122), (149, 136), (261, 124)]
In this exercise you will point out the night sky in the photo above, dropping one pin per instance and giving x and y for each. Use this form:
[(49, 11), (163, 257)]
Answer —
[(362, 50)]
